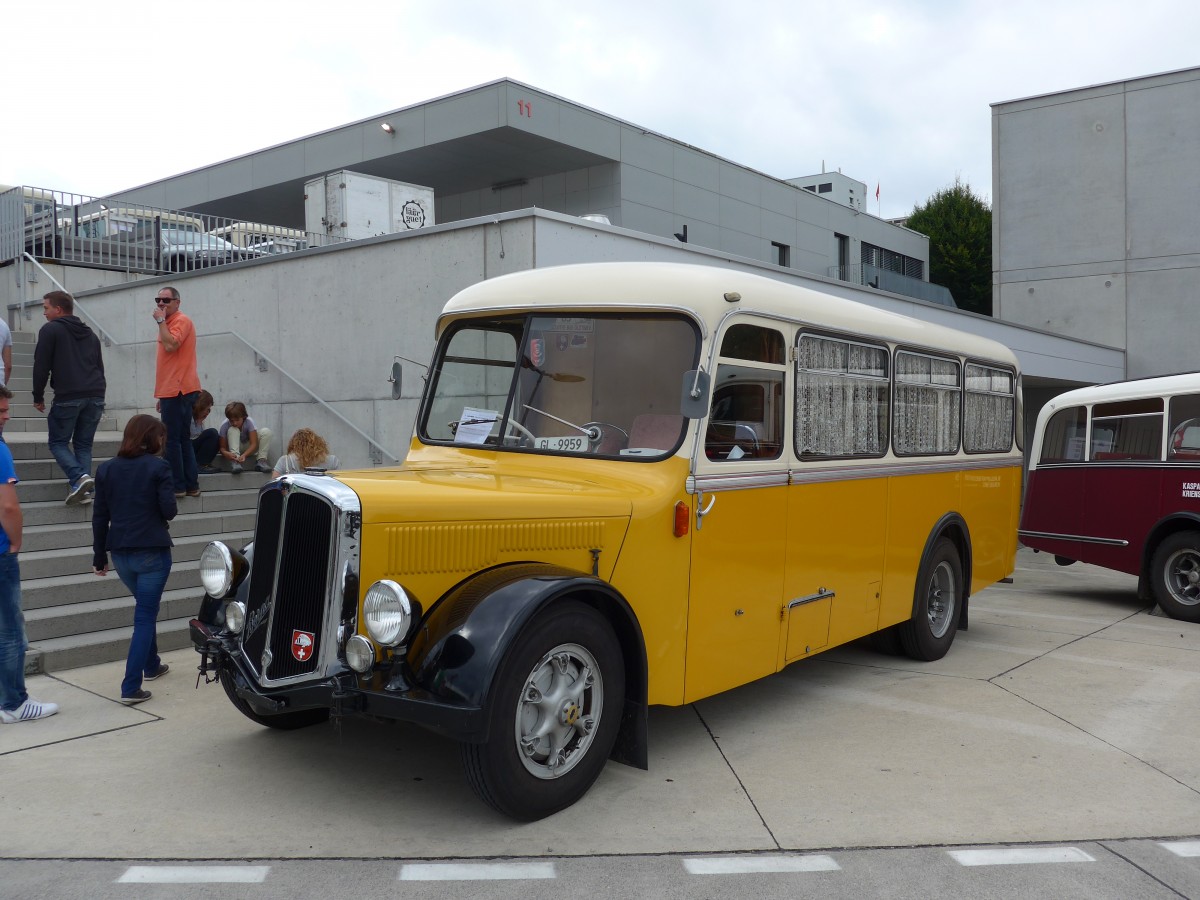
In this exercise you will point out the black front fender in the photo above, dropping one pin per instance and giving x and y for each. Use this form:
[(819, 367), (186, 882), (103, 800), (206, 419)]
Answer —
[(459, 645)]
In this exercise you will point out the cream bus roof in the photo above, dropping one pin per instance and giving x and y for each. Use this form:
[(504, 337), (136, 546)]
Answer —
[(701, 290), (1161, 386)]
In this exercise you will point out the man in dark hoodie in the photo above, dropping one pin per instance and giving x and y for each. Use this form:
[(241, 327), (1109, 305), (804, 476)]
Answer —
[(68, 353)]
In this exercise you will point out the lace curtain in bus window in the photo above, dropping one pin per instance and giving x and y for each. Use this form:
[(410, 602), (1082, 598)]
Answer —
[(989, 410), (927, 401), (841, 398)]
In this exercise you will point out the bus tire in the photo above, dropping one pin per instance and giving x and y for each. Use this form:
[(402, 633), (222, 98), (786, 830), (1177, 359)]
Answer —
[(937, 604), (553, 715), (1175, 575), (887, 641)]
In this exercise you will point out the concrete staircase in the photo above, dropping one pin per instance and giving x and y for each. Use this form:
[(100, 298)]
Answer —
[(72, 617)]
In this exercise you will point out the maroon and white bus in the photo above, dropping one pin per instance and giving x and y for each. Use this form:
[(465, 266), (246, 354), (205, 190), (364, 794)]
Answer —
[(1114, 480)]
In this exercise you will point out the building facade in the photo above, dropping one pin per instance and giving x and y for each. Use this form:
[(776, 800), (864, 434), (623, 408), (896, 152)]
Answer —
[(505, 146), (1096, 224)]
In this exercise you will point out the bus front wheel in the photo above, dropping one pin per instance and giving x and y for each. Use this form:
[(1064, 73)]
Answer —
[(937, 604), (553, 717), (1175, 574)]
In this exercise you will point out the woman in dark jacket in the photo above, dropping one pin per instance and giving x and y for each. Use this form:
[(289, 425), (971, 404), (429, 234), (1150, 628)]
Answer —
[(134, 501)]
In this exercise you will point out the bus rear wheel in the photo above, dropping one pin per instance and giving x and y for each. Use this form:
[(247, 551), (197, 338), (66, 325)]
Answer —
[(937, 604), (1175, 575)]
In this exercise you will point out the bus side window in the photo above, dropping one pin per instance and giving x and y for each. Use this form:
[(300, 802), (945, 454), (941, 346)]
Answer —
[(1127, 429), (1064, 436), (1184, 443), (746, 419)]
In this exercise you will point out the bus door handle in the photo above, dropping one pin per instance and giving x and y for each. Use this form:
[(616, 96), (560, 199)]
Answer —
[(702, 511)]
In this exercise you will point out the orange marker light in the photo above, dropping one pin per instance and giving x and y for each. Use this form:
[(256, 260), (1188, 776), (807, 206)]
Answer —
[(683, 515)]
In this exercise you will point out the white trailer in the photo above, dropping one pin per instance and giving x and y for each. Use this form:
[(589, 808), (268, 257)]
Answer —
[(352, 205)]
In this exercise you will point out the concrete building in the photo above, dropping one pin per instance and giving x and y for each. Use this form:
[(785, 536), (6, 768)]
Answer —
[(1095, 218), (505, 146)]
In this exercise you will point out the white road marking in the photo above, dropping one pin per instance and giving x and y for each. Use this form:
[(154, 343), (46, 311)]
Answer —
[(1182, 848), (194, 875), (475, 871), (741, 865), (1019, 856)]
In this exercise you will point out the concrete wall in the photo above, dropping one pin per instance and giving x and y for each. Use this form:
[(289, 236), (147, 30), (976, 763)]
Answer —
[(1094, 232)]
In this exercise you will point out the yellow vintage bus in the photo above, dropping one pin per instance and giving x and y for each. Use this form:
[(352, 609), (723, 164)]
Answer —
[(629, 484)]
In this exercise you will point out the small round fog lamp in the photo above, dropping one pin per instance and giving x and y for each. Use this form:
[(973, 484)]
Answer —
[(387, 612), (360, 655), (235, 616)]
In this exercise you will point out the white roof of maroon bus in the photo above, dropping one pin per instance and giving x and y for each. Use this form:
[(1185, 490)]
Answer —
[(701, 290), (1161, 386)]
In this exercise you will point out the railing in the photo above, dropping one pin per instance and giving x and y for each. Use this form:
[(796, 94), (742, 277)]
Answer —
[(376, 450), (897, 283), (107, 233)]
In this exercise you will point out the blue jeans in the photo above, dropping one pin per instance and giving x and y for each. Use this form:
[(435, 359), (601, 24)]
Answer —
[(145, 573), (72, 427), (176, 413), (12, 635)]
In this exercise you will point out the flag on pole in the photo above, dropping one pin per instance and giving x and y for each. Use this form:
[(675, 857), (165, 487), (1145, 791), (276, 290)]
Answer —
[(877, 192)]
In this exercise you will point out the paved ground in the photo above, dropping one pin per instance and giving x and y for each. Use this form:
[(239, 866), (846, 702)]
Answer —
[(1067, 713)]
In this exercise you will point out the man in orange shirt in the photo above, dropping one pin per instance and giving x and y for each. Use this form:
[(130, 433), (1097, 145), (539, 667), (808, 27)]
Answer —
[(177, 385)]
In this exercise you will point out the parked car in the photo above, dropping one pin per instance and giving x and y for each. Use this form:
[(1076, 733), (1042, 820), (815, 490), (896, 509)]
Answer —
[(184, 249)]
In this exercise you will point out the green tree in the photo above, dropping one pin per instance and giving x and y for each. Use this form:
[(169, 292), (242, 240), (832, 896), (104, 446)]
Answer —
[(959, 227)]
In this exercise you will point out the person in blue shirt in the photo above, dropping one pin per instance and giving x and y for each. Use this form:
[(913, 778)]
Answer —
[(134, 502), (15, 703)]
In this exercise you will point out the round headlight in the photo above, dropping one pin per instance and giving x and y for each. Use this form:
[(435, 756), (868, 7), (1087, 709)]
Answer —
[(388, 613), (235, 616), (216, 569), (360, 655)]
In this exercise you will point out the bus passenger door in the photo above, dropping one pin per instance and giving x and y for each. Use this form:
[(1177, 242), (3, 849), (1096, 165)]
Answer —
[(739, 525), (736, 587)]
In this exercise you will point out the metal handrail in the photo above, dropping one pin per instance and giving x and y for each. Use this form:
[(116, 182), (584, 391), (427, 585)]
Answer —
[(110, 341)]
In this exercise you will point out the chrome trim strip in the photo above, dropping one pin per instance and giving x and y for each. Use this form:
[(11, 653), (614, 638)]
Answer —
[(1084, 539), (709, 483), (894, 468), (821, 594)]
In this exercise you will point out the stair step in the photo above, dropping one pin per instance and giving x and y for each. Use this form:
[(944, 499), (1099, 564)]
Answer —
[(79, 534), (42, 564), (74, 651), (63, 590), (56, 512), (100, 615)]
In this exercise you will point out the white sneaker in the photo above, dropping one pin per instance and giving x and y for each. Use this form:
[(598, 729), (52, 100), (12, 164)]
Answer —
[(28, 711)]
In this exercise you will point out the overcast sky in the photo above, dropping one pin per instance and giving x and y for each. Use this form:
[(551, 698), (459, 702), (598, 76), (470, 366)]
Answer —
[(103, 96)]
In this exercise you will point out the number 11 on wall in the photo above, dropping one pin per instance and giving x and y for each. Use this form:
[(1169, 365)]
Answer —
[(525, 108)]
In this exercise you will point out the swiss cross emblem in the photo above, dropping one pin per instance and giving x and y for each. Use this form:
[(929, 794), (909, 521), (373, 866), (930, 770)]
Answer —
[(302, 644)]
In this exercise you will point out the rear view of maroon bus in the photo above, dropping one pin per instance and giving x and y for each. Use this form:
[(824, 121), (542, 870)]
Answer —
[(1114, 480)]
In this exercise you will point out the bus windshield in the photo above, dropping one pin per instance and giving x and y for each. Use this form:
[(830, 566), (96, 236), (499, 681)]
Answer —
[(604, 385)]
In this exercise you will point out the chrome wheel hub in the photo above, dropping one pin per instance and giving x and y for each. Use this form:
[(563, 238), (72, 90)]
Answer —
[(559, 708)]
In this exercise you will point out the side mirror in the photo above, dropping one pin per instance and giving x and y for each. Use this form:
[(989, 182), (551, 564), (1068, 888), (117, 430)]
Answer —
[(694, 400), (396, 379)]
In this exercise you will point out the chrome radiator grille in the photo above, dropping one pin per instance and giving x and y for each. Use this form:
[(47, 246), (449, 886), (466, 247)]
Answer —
[(294, 539)]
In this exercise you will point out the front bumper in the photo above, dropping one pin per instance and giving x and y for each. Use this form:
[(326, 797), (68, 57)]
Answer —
[(380, 694)]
